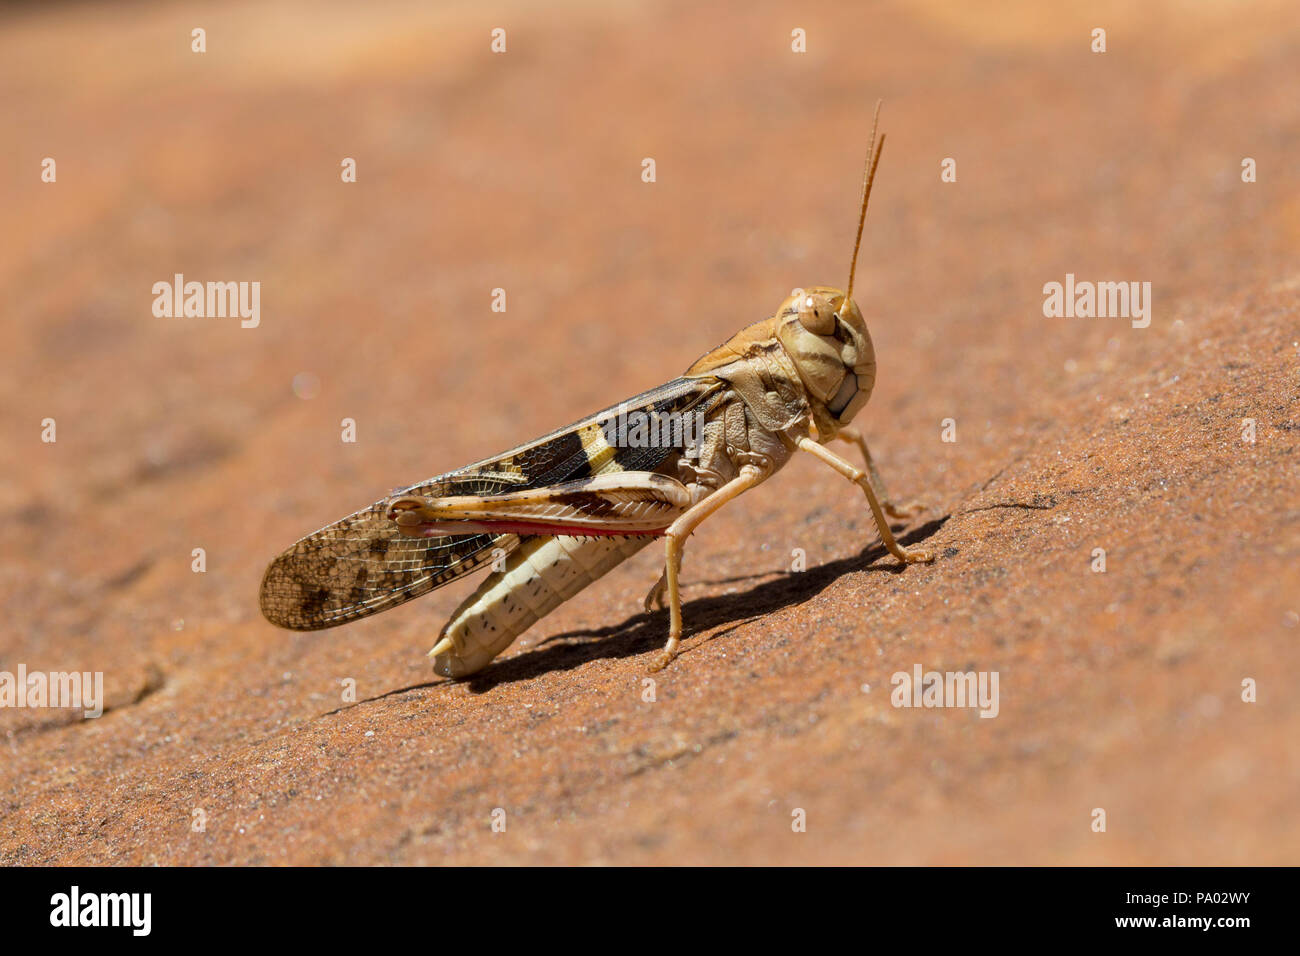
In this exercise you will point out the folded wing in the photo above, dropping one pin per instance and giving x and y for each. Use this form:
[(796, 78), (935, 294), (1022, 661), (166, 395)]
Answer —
[(365, 563)]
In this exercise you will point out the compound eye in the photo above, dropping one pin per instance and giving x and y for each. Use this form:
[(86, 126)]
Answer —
[(816, 314)]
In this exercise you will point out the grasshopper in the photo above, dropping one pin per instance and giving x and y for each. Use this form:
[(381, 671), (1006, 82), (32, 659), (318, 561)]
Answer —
[(557, 513)]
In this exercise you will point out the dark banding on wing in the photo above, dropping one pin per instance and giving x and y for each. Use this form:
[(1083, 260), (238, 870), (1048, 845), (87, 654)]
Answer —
[(362, 564)]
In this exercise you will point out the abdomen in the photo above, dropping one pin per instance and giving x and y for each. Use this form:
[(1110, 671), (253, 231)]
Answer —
[(539, 576)]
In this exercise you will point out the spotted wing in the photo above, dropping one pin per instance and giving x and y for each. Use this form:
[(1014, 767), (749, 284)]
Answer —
[(364, 564)]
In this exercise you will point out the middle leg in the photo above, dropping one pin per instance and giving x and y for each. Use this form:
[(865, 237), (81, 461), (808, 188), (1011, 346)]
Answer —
[(675, 541)]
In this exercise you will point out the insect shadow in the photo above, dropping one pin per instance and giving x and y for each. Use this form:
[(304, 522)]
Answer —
[(645, 631)]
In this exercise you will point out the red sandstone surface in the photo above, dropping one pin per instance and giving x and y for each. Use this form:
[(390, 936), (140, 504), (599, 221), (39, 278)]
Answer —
[(1119, 690)]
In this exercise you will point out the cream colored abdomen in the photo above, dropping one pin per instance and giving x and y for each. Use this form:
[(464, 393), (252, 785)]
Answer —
[(537, 578)]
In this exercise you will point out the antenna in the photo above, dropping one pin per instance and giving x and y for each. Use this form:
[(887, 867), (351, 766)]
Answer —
[(873, 158)]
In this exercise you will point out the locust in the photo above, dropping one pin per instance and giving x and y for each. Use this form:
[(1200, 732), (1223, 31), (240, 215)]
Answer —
[(555, 514)]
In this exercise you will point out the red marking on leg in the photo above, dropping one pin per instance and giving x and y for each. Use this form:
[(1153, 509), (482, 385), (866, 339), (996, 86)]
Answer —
[(434, 529)]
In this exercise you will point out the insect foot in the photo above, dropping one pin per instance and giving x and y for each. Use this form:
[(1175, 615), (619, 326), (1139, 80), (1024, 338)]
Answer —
[(913, 509), (660, 661), (917, 556)]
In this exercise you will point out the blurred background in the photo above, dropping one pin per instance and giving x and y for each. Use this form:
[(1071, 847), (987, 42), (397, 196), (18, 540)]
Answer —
[(522, 170)]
